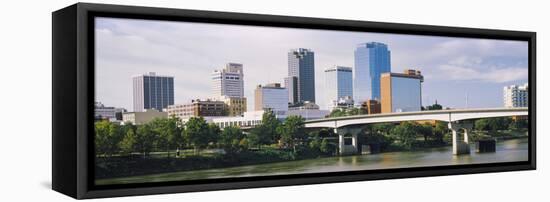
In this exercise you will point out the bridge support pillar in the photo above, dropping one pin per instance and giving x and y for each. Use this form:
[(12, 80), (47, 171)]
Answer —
[(342, 147), (460, 146)]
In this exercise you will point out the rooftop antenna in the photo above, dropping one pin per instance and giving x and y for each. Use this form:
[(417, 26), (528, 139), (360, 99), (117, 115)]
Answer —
[(466, 99)]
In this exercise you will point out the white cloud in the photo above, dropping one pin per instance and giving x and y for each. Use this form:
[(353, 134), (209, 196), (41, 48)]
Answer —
[(476, 69), (190, 51)]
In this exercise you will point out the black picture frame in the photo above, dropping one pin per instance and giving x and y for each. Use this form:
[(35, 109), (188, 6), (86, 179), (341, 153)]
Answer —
[(73, 99)]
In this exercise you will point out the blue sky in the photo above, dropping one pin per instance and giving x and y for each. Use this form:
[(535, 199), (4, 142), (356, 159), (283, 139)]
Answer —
[(454, 68)]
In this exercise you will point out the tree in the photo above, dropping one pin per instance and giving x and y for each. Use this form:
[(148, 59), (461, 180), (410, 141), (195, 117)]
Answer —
[(405, 133), (271, 123), (128, 143), (337, 113), (259, 136), (482, 125), (107, 138), (518, 124), (292, 131), (213, 133), (168, 133), (326, 147), (315, 141), (197, 133), (231, 140), (425, 130), (144, 139), (434, 107), (440, 130), (493, 124), (383, 128)]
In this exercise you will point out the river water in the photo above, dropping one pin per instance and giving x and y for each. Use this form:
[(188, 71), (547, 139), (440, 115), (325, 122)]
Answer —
[(507, 151)]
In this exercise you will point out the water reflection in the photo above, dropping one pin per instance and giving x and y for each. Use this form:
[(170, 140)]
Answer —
[(506, 151)]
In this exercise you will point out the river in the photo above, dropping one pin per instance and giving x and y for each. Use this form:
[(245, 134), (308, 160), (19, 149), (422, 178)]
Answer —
[(506, 151)]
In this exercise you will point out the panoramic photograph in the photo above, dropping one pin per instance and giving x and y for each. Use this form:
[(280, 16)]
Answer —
[(181, 101)]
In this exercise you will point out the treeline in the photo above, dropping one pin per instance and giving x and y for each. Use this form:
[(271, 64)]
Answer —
[(171, 134), (405, 135)]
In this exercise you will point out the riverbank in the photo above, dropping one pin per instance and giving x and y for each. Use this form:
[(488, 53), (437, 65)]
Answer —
[(507, 151), (125, 166), (136, 165)]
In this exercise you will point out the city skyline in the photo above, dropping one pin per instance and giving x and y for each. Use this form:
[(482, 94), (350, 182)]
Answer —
[(455, 68)]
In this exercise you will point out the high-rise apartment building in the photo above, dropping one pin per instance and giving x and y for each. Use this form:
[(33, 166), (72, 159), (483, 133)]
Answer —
[(151, 91), (401, 92), (371, 60), (301, 64), (516, 96), (228, 81), (271, 96), (338, 83)]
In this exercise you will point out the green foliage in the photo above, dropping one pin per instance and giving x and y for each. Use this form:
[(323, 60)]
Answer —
[(265, 133), (493, 124), (327, 148), (425, 130), (107, 138), (439, 131), (232, 140), (270, 124), (383, 128), (197, 133), (433, 107), (128, 143), (346, 112), (292, 132), (315, 142), (145, 138), (519, 124), (405, 134)]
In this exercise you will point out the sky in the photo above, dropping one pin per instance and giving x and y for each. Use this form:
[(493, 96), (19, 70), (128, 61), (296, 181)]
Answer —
[(458, 72)]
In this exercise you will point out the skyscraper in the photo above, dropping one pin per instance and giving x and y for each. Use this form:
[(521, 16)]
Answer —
[(371, 60), (516, 96), (338, 83), (291, 84), (301, 64), (228, 81), (151, 91)]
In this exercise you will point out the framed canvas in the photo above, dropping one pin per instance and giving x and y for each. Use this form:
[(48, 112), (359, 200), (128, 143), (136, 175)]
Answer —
[(158, 100)]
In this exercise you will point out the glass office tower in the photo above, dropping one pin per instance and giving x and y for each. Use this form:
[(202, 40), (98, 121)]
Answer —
[(301, 65), (338, 83), (371, 60), (151, 91)]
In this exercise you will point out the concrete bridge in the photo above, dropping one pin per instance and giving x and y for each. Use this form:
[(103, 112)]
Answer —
[(458, 119)]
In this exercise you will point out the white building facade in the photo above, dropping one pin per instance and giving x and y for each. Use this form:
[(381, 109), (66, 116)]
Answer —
[(228, 81), (516, 96), (338, 84)]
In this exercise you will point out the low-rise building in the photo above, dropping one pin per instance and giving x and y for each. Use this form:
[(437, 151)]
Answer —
[(146, 116), (235, 106), (371, 107), (198, 107), (342, 103), (102, 112)]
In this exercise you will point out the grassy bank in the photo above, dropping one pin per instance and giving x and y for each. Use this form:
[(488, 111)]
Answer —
[(133, 165)]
